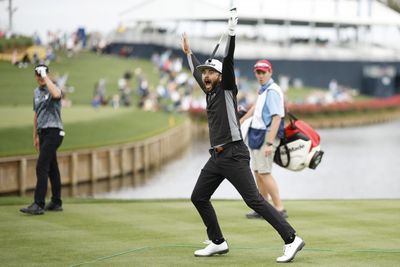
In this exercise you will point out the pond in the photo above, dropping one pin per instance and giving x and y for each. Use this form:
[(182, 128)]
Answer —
[(359, 163)]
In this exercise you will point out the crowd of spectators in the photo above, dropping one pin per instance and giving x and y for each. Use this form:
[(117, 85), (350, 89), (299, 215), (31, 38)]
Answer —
[(175, 90)]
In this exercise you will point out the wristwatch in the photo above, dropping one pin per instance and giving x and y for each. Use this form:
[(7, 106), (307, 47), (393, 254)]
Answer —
[(269, 144)]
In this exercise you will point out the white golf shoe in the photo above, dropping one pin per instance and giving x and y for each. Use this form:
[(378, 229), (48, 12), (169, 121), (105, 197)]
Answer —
[(290, 250), (212, 249)]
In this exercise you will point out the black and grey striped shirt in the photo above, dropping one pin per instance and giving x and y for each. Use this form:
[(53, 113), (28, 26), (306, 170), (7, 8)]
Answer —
[(223, 121), (48, 109)]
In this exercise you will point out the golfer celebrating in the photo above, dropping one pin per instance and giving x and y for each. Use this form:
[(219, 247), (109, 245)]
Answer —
[(48, 135), (229, 155)]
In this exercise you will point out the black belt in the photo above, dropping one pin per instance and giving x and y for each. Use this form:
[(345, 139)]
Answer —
[(44, 130), (219, 149)]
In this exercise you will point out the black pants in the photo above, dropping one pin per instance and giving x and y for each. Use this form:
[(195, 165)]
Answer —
[(233, 164), (47, 166)]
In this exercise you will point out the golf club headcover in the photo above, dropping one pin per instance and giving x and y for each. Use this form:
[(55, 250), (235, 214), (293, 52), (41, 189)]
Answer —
[(232, 22)]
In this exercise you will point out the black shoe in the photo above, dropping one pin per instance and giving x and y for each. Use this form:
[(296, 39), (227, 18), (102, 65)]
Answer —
[(53, 207), (253, 215), (33, 209), (283, 213)]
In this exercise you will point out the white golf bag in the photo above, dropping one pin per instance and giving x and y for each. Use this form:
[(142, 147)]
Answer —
[(300, 148)]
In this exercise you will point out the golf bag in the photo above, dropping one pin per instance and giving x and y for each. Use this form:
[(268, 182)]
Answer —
[(300, 148)]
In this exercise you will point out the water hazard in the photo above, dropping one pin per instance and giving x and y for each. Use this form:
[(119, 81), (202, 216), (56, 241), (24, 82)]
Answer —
[(359, 163)]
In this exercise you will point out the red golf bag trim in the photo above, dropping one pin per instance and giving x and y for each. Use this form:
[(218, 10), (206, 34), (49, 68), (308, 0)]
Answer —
[(301, 129)]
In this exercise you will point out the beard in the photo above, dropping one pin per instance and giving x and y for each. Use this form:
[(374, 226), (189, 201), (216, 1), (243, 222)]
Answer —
[(211, 85)]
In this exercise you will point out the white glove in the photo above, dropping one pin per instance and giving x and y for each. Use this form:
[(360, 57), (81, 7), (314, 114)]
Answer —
[(41, 71), (232, 22)]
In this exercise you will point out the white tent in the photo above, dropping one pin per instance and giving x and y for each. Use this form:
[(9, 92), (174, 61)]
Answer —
[(293, 29), (319, 13)]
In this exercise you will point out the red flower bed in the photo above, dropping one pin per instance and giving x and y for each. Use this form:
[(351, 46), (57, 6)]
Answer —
[(389, 103), (345, 107)]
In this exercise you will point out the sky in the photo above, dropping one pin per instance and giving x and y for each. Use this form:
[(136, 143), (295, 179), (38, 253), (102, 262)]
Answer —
[(94, 15), (66, 15)]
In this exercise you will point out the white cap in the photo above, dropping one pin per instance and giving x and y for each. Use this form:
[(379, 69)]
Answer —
[(214, 64)]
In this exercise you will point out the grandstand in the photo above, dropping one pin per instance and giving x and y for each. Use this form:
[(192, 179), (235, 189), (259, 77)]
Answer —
[(352, 41)]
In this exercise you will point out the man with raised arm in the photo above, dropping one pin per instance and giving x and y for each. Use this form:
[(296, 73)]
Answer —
[(229, 155)]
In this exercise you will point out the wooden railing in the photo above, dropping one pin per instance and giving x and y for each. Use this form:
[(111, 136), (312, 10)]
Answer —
[(82, 170)]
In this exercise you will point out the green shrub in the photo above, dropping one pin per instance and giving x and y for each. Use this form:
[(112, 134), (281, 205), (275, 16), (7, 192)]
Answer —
[(15, 42)]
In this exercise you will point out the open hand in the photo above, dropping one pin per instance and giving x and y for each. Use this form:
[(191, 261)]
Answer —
[(268, 150), (185, 44), (36, 143)]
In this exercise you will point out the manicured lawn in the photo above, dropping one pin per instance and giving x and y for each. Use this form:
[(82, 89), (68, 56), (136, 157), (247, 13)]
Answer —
[(84, 70), (23, 115), (295, 95), (165, 233), (85, 126)]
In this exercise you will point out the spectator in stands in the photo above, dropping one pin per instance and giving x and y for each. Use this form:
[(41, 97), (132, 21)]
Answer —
[(142, 87), (25, 61), (14, 57), (125, 89), (99, 95)]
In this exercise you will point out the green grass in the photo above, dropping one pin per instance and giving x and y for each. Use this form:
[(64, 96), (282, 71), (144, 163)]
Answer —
[(300, 95), (23, 116), (85, 127), (84, 71), (165, 233)]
